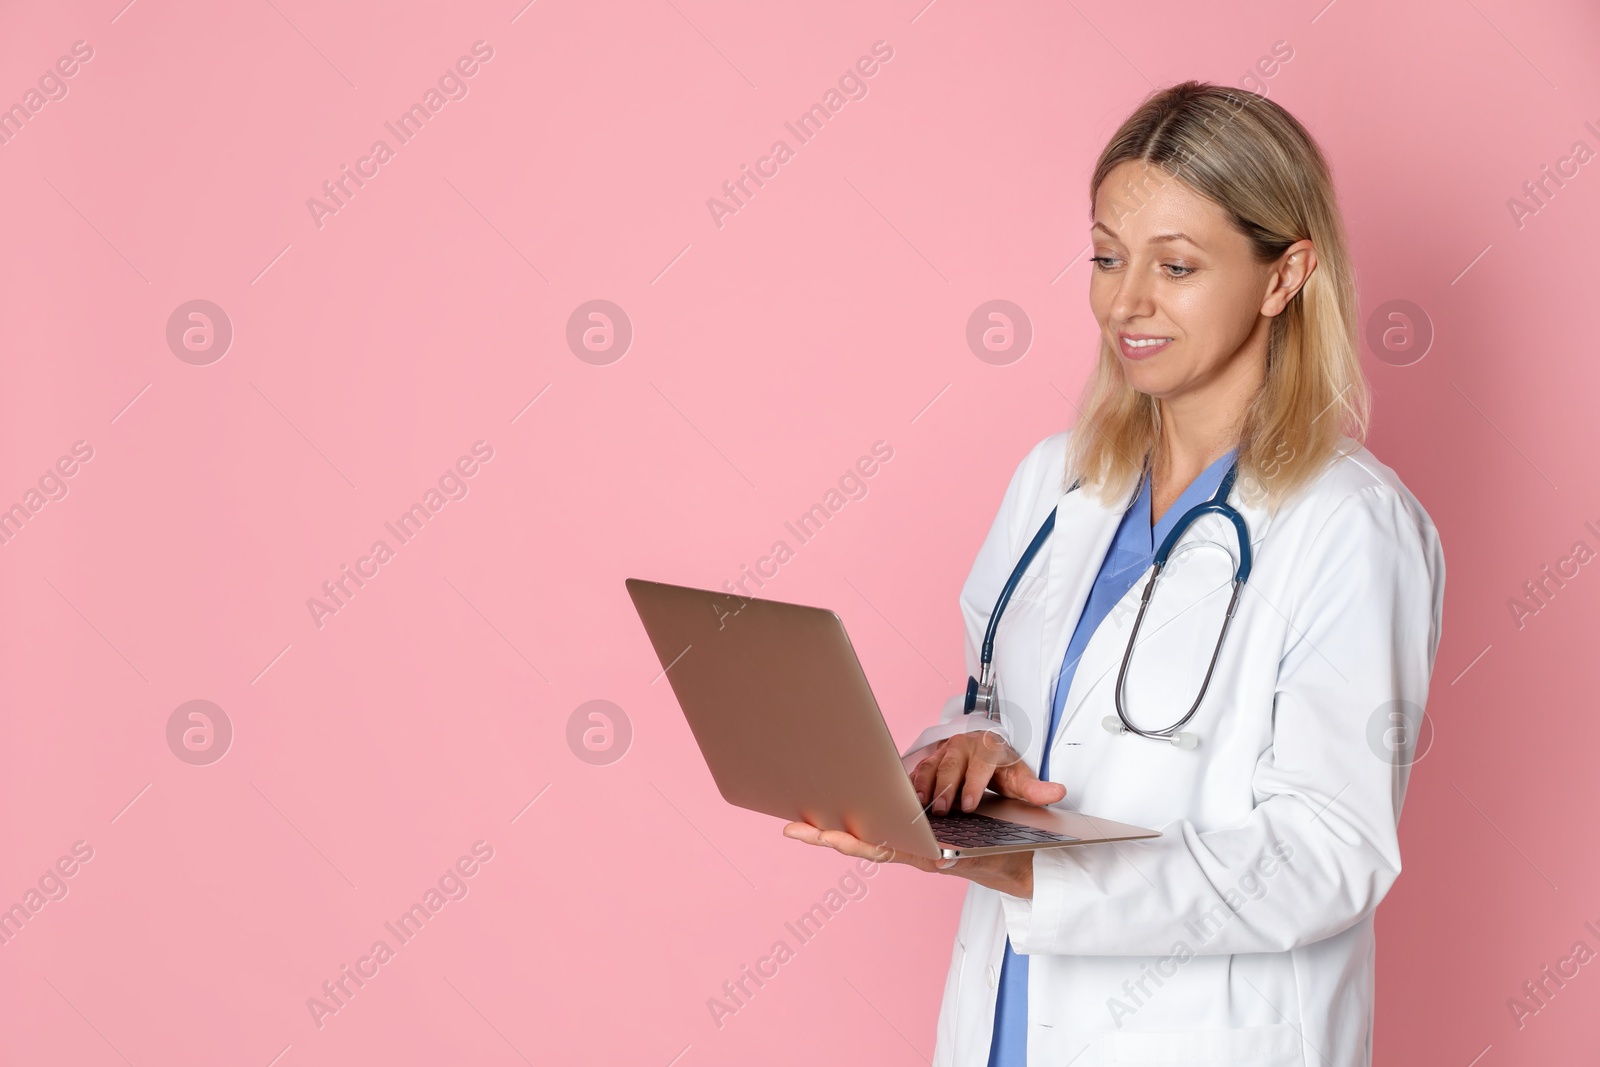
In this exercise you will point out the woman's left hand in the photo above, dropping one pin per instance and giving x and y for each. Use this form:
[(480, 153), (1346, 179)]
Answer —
[(1008, 872)]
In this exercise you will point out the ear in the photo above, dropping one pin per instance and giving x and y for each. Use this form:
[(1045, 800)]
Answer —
[(1287, 276)]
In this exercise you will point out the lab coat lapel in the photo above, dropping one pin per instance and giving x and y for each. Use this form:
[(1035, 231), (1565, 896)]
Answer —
[(1082, 535)]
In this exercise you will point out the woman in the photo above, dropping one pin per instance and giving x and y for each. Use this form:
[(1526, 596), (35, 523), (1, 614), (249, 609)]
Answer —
[(1244, 933)]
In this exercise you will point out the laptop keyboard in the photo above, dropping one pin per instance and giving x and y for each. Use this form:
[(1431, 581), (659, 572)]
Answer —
[(978, 831)]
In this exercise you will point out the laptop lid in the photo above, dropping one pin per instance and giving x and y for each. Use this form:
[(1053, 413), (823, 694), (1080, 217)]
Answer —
[(781, 709)]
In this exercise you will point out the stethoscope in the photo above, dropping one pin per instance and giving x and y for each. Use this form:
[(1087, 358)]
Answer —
[(980, 690)]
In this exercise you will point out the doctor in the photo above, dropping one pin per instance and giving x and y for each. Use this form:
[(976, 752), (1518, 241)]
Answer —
[(1229, 368)]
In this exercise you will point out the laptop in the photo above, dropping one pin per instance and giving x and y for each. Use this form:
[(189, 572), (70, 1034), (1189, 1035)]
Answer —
[(788, 726)]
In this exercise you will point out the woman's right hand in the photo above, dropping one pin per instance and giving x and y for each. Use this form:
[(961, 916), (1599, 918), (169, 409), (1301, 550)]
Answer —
[(968, 763)]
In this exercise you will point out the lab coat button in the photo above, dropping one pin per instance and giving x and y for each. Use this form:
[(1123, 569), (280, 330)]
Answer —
[(992, 980)]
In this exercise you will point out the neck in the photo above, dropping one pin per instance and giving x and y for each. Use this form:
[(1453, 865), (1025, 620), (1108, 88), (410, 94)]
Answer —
[(1199, 426)]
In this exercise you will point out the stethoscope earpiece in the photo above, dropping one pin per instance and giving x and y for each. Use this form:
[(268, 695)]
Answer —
[(1182, 739)]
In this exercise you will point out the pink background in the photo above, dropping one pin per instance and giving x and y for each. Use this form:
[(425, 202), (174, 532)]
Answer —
[(767, 355)]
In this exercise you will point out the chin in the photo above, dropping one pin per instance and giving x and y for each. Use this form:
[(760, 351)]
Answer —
[(1143, 379)]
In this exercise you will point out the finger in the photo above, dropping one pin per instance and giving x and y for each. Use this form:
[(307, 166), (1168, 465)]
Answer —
[(923, 778), (883, 852), (1018, 780), (1047, 792), (849, 845), (947, 778), (922, 775), (803, 831), (980, 769)]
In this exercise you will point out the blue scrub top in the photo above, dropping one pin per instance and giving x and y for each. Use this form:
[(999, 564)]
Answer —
[(1132, 551)]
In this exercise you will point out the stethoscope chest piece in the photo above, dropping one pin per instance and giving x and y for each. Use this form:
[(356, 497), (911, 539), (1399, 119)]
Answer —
[(980, 697)]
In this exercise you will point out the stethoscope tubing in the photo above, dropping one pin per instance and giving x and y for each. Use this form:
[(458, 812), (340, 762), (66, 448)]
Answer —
[(980, 694)]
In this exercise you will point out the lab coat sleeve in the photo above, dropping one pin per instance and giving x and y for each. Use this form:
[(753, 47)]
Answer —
[(996, 556), (1320, 849)]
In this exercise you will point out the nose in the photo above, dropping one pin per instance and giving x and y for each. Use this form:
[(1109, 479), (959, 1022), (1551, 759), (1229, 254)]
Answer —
[(1134, 297)]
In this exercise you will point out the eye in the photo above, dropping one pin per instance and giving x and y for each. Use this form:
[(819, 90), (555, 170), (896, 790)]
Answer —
[(1186, 271), (1103, 262)]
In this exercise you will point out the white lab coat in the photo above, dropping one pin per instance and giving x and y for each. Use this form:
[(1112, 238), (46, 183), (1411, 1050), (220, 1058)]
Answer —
[(1244, 934)]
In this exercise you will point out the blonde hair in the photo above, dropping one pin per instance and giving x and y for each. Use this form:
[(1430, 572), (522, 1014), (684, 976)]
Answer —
[(1253, 159)]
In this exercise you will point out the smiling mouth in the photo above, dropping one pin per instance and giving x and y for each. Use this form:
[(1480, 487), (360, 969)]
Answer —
[(1141, 347)]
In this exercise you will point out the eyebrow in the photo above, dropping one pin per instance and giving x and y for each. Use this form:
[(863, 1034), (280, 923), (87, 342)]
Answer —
[(1160, 238)]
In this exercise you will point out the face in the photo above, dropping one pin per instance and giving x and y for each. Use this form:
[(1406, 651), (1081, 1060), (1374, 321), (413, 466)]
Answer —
[(1176, 290)]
